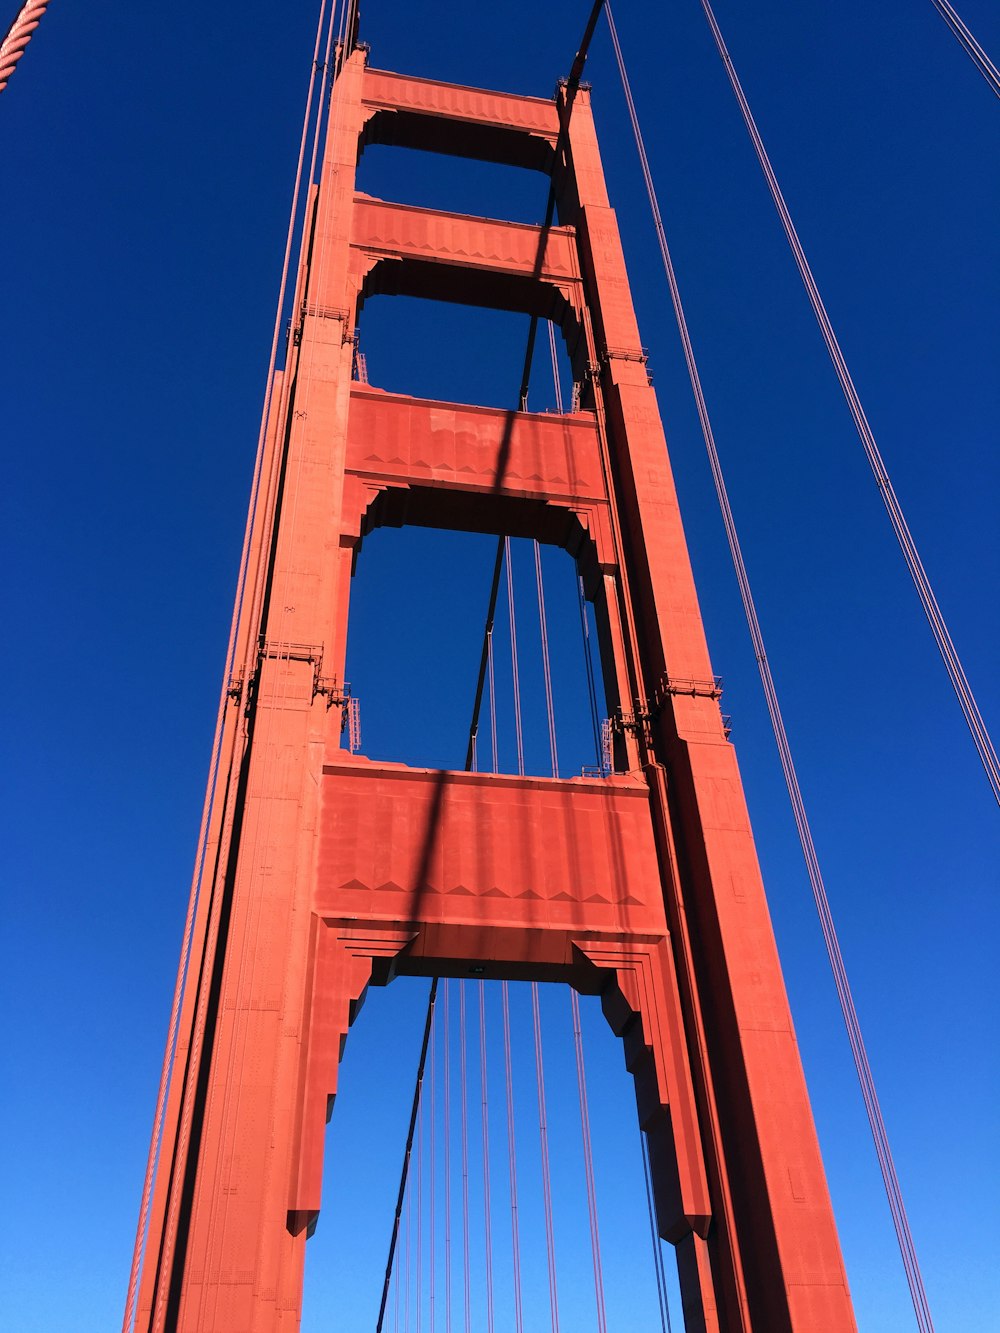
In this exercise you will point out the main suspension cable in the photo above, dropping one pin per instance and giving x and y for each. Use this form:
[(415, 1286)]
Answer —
[(925, 592), (865, 1078), (17, 37), (969, 44)]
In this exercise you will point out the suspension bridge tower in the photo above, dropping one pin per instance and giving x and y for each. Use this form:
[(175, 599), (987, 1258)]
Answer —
[(324, 871)]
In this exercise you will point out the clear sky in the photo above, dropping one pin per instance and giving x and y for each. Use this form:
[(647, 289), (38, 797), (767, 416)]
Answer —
[(147, 157)]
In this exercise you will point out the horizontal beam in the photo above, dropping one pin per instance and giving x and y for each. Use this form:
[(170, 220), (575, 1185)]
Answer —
[(386, 230), (418, 441), (541, 855), (465, 108)]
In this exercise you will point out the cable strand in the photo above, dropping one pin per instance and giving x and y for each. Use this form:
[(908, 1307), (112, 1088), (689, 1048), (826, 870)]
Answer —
[(18, 35), (969, 44), (925, 592), (852, 1024)]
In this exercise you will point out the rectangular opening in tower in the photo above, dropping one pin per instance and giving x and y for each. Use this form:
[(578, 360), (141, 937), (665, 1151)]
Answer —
[(346, 1257), (456, 184), (461, 353), (414, 657)]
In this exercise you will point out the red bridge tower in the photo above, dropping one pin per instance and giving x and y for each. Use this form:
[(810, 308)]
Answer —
[(326, 871)]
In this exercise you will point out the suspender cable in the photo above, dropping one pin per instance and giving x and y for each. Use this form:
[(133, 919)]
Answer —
[(546, 665), (395, 1299), (493, 709), (851, 1021), (661, 1278), (518, 732), (166, 1070), (485, 668), (491, 611), (573, 83), (925, 592), (512, 1159), (595, 717), (433, 1218), (591, 690), (18, 36), (555, 368), (588, 1163), (487, 1219), (968, 44), (465, 1158), (543, 1138), (572, 86), (543, 625), (409, 1230), (446, 1076), (414, 1111), (419, 1277)]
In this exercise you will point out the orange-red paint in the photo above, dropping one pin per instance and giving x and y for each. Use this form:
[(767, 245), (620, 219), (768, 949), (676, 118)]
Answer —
[(327, 871)]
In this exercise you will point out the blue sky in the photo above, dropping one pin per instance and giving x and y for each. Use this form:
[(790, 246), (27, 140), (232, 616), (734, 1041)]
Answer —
[(147, 162)]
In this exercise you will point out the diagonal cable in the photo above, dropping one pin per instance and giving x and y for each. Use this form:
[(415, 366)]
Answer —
[(18, 36), (865, 1078), (925, 592), (969, 44)]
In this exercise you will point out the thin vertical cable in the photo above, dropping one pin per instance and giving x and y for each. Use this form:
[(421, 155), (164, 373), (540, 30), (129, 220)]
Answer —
[(543, 1139), (465, 1159), (555, 368), (595, 716), (588, 1163), (968, 44), (925, 592), (546, 669), (404, 1178), (865, 1078), (409, 1212), (487, 1220), (491, 610), (446, 1075), (518, 733), (395, 1299), (661, 1277), (420, 1215), (546, 666), (433, 1216), (493, 700), (512, 1159)]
